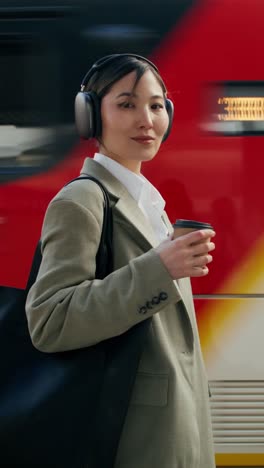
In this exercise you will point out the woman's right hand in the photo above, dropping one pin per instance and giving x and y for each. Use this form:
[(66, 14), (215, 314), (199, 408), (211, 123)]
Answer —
[(187, 255)]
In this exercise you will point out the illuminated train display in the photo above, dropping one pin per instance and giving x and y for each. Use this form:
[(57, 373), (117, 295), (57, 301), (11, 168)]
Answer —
[(210, 168)]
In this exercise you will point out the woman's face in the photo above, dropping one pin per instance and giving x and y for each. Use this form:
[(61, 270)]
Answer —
[(134, 121)]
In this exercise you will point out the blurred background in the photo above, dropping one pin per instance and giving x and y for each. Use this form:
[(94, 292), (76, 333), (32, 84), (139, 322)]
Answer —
[(45, 50)]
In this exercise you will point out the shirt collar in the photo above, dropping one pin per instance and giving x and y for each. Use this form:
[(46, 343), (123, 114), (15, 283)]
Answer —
[(137, 185)]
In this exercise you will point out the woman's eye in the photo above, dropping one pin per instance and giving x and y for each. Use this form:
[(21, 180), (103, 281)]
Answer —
[(157, 106), (126, 105)]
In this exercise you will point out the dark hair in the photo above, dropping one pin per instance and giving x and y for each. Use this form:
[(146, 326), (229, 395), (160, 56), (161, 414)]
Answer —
[(103, 79)]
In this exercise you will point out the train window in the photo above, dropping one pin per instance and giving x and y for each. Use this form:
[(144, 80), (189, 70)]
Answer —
[(234, 108), (36, 114), (26, 115)]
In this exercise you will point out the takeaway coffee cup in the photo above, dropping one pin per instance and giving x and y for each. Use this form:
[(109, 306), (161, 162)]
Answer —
[(183, 226)]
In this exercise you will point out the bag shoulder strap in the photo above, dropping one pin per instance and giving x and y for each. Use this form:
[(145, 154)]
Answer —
[(104, 257)]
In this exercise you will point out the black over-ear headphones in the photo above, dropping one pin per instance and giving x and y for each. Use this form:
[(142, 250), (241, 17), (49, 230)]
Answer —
[(87, 104)]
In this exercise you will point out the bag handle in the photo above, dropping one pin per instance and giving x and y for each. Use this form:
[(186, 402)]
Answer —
[(104, 256)]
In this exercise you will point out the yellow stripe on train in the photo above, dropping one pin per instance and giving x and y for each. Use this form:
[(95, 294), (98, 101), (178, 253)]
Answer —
[(239, 459)]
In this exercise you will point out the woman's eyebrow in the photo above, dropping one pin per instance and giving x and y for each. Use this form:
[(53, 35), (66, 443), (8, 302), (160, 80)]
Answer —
[(126, 94), (155, 96)]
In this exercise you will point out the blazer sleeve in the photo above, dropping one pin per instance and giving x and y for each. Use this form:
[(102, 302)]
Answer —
[(67, 308)]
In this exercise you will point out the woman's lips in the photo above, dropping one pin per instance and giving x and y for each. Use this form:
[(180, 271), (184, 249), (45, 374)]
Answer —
[(143, 140)]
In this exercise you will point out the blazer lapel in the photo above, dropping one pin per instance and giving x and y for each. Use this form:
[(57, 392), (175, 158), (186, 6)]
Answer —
[(130, 215), (125, 207)]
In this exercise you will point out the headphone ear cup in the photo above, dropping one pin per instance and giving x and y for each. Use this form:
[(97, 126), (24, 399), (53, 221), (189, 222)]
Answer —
[(87, 115), (170, 111)]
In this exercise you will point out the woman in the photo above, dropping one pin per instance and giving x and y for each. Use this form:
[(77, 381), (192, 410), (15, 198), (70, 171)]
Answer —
[(168, 422)]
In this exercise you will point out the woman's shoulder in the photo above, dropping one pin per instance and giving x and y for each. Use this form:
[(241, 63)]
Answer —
[(82, 191)]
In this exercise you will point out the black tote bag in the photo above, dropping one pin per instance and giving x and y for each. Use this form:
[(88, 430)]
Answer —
[(66, 409)]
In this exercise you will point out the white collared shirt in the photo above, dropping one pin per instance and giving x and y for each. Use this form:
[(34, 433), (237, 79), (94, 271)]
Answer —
[(144, 193)]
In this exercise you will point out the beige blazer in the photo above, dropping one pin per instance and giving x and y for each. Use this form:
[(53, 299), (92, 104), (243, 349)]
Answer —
[(168, 421)]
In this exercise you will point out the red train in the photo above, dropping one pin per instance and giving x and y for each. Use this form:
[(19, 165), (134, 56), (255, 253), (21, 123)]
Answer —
[(210, 169)]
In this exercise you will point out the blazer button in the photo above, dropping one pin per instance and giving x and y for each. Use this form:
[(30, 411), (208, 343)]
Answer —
[(155, 300), (163, 296), (149, 305), (143, 310)]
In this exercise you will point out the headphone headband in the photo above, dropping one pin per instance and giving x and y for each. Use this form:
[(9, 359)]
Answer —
[(109, 58)]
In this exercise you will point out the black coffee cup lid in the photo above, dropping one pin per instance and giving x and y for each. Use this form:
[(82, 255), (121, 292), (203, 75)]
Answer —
[(189, 223)]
